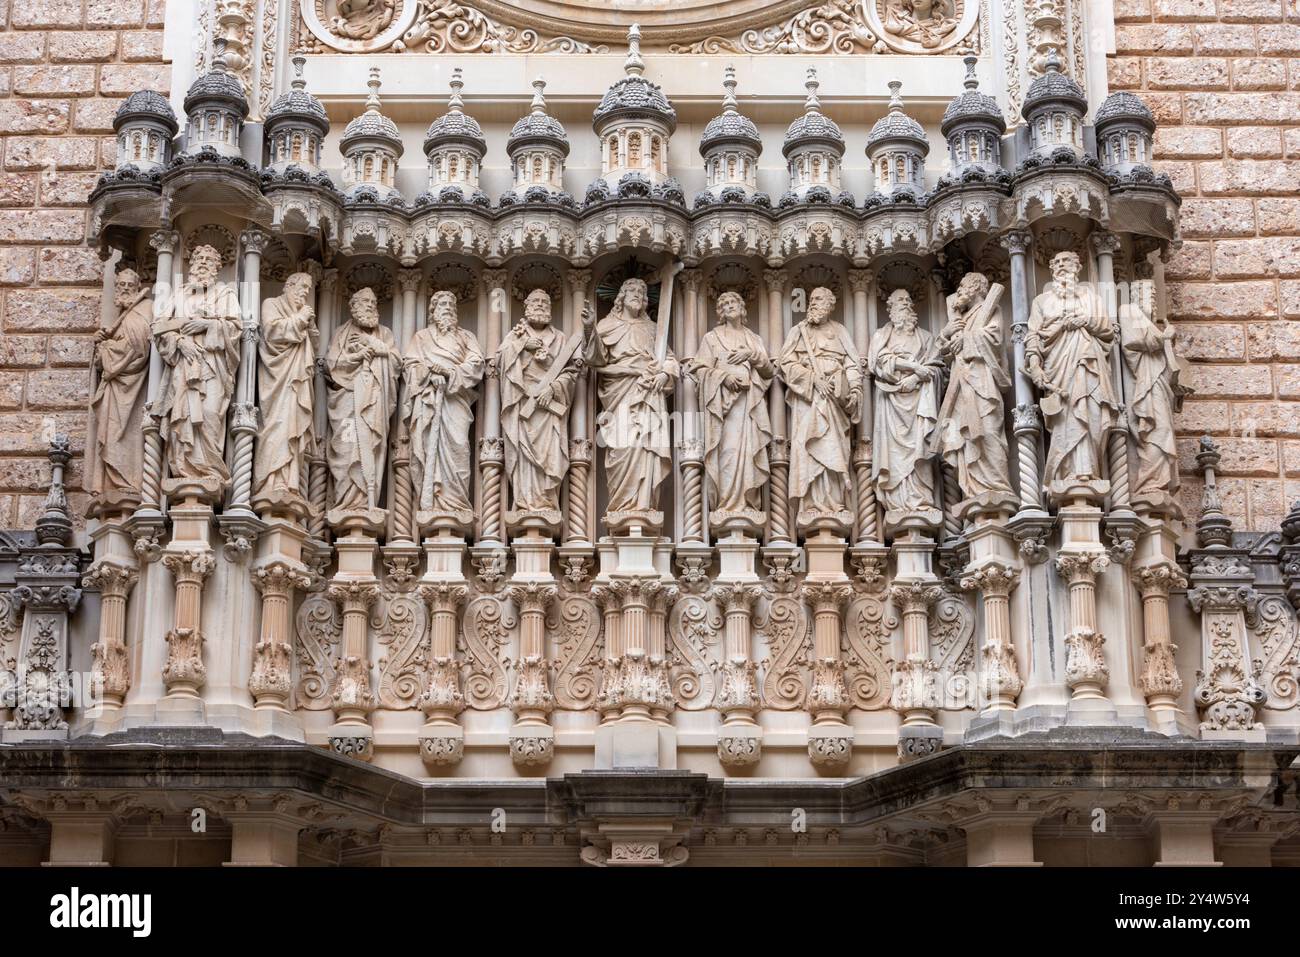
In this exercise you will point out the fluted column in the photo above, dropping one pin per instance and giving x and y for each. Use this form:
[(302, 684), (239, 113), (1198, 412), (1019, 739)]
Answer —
[(739, 739), (352, 693), (184, 672), (1086, 671), (916, 677), (692, 447), (1160, 681), (532, 740), (111, 664), (779, 528), (830, 741), (662, 597), (610, 600), (442, 740), (1001, 678), (244, 413), (271, 679)]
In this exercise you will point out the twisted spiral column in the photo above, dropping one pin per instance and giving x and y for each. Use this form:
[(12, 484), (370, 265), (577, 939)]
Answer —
[(577, 528), (778, 526), (1025, 414), (951, 496), (165, 242), (1104, 246), (491, 452), (868, 514)]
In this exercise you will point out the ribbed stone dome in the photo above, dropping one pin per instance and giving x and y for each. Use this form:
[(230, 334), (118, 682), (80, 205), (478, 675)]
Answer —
[(537, 126), (633, 95), (298, 105), (371, 124), (217, 85), (972, 105), (1054, 86), (1124, 105), (146, 104), (897, 125), (730, 127), (813, 126), (455, 126)]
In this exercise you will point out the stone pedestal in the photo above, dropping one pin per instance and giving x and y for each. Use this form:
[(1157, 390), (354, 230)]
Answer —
[(736, 590), (1080, 559), (444, 590), (113, 574), (826, 590), (190, 559), (533, 589), (277, 573), (916, 677), (993, 573), (354, 589)]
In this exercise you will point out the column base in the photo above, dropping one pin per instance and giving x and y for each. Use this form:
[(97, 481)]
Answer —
[(740, 745), (635, 743), (442, 745), (532, 744), (919, 741), (175, 710), (830, 745)]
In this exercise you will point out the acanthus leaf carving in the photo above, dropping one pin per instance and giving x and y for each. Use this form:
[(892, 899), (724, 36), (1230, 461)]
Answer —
[(403, 634), (693, 627), (785, 678), (319, 630), (575, 624), (483, 639)]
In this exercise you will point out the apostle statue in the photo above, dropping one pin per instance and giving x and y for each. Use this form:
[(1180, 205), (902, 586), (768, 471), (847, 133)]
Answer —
[(538, 366), (197, 331), (1067, 353), (636, 371), (442, 367), (734, 372), (904, 361), (971, 435), (821, 371), (122, 370), (285, 383), (361, 370), (1148, 342), (927, 22)]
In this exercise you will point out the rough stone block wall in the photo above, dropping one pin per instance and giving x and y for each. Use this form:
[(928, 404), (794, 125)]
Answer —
[(65, 65), (1223, 79)]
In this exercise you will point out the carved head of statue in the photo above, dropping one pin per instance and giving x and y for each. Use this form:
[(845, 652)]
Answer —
[(205, 264), (442, 310), (820, 305), (537, 309), (731, 308), (1142, 293), (972, 289), (126, 288), (902, 314), (1065, 268), (633, 298), (297, 289), (364, 308)]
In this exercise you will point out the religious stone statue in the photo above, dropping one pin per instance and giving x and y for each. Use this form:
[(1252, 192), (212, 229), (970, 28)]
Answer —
[(122, 366), (734, 372), (1067, 352), (362, 368), (823, 378), (927, 22), (971, 435), (284, 393), (442, 366), (538, 366), (197, 331), (634, 378), (1148, 343), (904, 361), (363, 19)]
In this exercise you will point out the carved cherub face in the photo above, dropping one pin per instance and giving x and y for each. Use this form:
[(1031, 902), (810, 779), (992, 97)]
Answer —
[(442, 305), (205, 264), (1065, 268), (902, 314), (820, 305), (634, 296), (365, 308), (126, 286), (731, 307), (297, 288), (537, 309)]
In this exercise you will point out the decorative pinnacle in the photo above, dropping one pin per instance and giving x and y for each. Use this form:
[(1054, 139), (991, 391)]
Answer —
[(729, 84), (1053, 62), (456, 104), (539, 101), (971, 82), (634, 65), (895, 96), (299, 81), (372, 101), (812, 104), (219, 54)]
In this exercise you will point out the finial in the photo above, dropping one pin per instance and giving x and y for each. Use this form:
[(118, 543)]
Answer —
[(895, 96), (1213, 528), (634, 65), (729, 84), (812, 104), (539, 101), (1053, 62), (54, 527), (971, 82), (372, 101), (219, 54), (456, 104), (299, 81)]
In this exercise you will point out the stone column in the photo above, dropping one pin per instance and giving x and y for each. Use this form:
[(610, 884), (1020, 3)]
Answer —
[(237, 522), (271, 678), (662, 596), (1086, 671), (692, 442), (491, 446), (609, 699), (1001, 682), (740, 739), (578, 515), (830, 740), (318, 480), (867, 525), (1159, 680), (916, 677), (111, 663), (779, 530), (442, 740), (532, 739), (403, 494), (190, 564), (352, 693)]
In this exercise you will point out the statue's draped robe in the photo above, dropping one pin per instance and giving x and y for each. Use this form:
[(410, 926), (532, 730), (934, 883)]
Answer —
[(119, 400), (636, 428), (441, 426), (1077, 364), (819, 425), (196, 391), (1151, 359), (536, 435), (904, 420), (972, 434), (737, 430), (361, 398), (284, 395)]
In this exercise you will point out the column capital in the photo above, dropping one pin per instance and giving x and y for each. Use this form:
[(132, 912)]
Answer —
[(443, 596), (532, 596), (1077, 567), (409, 279), (495, 278), (692, 279), (254, 240), (826, 596), (1016, 241), (1158, 579), (359, 595), (915, 596), (165, 240), (994, 578), (329, 280), (279, 577), (1104, 243), (776, 279), (860, 280), (578, 279)]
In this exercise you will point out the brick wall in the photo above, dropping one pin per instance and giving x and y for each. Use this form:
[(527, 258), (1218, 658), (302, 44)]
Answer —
[(65, 65), (1223, 78)]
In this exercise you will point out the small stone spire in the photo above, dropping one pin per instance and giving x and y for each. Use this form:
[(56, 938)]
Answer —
[(219, 46), (539, 99), (54, 527), (299, 82), (456, 104), (1213, 528), (971, 82), (812, 104), (1053, 62), (372, 101), (729, 104), (634, 65), (895, 96)]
